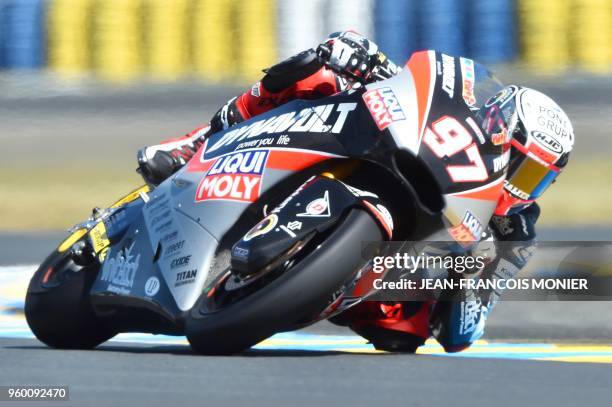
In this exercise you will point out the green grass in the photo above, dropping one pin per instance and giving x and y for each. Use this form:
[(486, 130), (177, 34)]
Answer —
[(56, 198)]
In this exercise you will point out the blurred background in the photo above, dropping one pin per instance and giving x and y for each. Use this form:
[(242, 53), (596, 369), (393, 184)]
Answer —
[(85, 83)]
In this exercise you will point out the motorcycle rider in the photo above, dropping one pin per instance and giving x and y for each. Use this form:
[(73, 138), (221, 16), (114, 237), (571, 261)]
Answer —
[(348, 60)]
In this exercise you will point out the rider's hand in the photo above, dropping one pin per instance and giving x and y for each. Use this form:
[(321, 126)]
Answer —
[(356, 57), (349, 54)]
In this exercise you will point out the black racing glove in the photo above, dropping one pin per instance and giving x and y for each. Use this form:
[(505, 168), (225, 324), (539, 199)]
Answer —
[(354, 56)]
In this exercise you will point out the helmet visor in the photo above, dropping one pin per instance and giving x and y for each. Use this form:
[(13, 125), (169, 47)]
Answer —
[(530, 175)]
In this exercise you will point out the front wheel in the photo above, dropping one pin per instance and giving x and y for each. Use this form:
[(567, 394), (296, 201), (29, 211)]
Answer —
[(57, 305), (300, 291)]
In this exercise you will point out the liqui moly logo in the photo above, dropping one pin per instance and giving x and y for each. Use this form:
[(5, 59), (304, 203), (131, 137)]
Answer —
[(472, 224), (234, 177), (384, 106), (468, 231)]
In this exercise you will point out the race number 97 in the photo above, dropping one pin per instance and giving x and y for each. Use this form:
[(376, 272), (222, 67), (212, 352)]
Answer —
[(447, 137)]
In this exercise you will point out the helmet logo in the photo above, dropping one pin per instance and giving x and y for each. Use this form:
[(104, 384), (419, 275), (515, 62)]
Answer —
[(515, 191), (547, 141)]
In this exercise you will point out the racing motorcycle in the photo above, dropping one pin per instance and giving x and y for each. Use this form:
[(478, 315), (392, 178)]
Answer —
[(262, 230)]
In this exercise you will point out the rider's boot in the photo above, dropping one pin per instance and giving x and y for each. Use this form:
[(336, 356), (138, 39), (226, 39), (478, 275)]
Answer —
[(158, 162)]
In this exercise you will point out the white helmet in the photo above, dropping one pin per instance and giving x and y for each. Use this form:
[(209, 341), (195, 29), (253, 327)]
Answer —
[(541, 139)]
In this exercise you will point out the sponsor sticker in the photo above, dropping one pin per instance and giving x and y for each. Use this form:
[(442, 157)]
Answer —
[(169, 236), (468, 76), (294, 225), (547, 141), (291, 226), (468, 231), (241, 252), (461, 234), (500, 138), (515, 191), (470, 316), (473, 225), (185, 277), (448, 75), (317, 119), (120, 271), (499, 163), (283, 140), (152, 286), (383, 106), (174, 248), (264, 226), (180, 261), (156, 220), (234, 177), (158, 203), (317, 208), (99, 239)]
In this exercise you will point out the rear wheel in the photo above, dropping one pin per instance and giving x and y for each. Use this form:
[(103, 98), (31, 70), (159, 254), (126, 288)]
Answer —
[(57, 305), (233, 317)]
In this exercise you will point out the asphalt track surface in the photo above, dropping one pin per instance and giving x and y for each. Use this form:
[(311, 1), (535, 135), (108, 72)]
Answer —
[(141, 375)]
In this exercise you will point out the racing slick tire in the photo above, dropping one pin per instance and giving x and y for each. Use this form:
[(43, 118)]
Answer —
[(299, 292), (57, 306)]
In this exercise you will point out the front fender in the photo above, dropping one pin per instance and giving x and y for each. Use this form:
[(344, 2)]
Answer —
[(313, 208)]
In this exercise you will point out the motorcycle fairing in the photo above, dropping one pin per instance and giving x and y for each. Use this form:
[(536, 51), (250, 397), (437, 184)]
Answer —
[(294, 137), (174, 215), (440, 90), (161, 243)]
